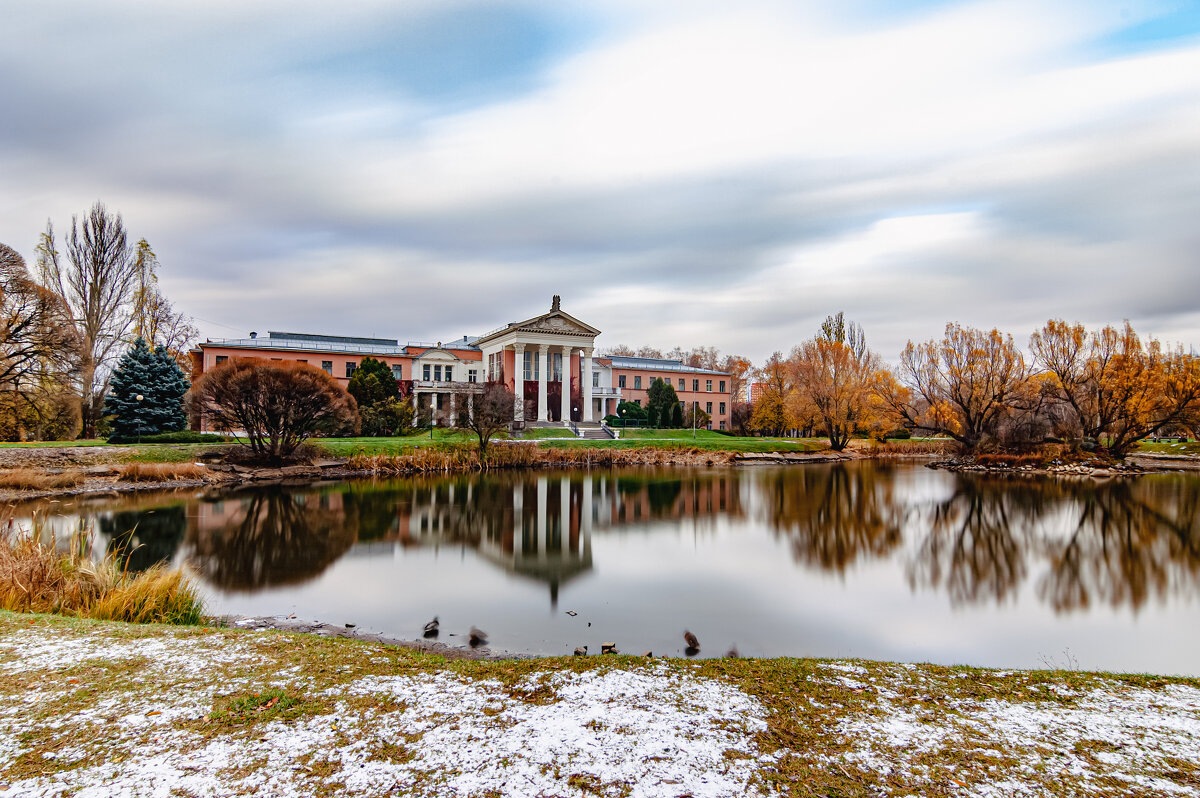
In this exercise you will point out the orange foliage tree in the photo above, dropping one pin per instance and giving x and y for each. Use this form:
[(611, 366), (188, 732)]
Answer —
[(1119, 389), (835, 375), (770, 414), (277, 404), (964, 385)]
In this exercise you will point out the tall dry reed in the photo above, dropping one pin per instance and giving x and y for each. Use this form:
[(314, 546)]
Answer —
[(161, 472), (35, 576), (37, 479)]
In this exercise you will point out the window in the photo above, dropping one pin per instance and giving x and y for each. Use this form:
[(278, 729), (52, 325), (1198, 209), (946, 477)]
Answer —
[(722, 425), (722, 408), (221, 359), (397, 371), (531, 366), (595, 379), (472, 376), (695, 385), (425, 372), (708, 408), (327, 366), (722, 386), (681, 383), (449, 374), (350, 367), (437, 373), (558, 370), (637, 382), (708, 385), (620, 380), (301, 360)]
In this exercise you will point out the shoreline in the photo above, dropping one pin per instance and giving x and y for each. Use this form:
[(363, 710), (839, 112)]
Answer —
[(99, 467)]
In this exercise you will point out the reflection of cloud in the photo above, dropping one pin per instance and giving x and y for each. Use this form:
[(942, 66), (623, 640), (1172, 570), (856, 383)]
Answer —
[(750, 146)]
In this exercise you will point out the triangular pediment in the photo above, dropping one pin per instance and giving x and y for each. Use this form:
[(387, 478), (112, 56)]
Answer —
[(557, 322)]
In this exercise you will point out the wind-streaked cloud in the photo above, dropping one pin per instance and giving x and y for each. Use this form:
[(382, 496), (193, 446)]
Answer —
[(683, 173)]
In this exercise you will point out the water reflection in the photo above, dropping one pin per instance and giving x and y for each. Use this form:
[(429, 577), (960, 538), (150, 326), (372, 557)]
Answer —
[(267, 537), (832, 516), (976, 540)]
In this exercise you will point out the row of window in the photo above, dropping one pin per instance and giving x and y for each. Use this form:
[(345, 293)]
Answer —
[(431, 373), (637, 383)]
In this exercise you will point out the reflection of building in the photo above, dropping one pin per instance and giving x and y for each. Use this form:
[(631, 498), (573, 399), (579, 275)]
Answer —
[(546, 361)]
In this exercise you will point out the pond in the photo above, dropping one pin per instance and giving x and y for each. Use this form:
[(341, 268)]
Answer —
[(878, 560)]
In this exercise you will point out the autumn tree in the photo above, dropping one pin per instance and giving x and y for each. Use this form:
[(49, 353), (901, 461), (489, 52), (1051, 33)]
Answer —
[(487, 414), (39, 355), (770, 415), (1119, 389), (739, 368), (962, 386), (276, 404), (836, 374)]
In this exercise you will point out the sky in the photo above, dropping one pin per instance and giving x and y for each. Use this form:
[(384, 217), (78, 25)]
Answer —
[(682, 172)]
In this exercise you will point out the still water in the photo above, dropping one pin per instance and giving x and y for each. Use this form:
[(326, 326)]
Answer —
[(874, 560)]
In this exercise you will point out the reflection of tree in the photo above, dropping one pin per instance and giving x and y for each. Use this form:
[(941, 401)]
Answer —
[(371, 511), (278, 537), (835, 514), (971, 545), (1117, 541), (1128, 538), (142, 538)]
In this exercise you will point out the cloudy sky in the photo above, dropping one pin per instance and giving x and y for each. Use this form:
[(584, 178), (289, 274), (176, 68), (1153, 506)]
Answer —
[(681, 171)]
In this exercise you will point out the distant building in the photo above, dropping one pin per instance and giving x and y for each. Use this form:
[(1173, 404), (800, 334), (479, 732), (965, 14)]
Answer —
[(530, 357)]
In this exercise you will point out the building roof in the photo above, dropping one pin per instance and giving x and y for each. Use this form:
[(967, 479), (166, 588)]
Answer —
[(341, 344), (657, 364)]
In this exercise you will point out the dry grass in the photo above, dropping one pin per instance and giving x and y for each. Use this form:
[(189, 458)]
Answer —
[(901, 448), (161, 472), (37, 577), (466, 458), (38, 479)]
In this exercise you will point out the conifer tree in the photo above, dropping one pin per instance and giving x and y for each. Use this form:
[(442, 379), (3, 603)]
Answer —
[(153, 375)]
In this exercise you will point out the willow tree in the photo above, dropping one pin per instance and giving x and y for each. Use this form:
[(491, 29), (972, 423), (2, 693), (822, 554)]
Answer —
[(1119, 389), (964, 385)]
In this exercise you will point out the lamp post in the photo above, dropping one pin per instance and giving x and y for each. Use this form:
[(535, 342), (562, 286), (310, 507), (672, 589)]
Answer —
[(139, 398), (694, 406)]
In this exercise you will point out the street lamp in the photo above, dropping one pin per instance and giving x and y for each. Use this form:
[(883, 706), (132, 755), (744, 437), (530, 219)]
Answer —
[(694, 406), (139, 398)]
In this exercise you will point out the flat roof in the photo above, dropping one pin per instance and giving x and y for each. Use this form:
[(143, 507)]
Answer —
[(657, 364)]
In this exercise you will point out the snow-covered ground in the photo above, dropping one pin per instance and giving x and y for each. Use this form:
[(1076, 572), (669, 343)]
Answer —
[(107, 710)]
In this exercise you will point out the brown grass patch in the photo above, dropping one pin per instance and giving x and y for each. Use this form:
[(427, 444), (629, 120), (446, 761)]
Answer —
[(466, 458), (37, 479), (161, 472), (901, 448)]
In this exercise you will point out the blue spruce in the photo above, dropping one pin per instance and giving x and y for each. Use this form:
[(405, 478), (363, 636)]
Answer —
[(156, 377)]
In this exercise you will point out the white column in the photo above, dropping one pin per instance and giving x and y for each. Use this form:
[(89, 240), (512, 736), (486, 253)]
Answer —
[(518, 382), (453, 409), (541, 516), (565, 413), (543, 412), (564, 515), (585, 376)]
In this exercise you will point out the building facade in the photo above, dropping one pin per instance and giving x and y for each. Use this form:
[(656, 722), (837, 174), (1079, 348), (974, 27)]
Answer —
[(547, 361)]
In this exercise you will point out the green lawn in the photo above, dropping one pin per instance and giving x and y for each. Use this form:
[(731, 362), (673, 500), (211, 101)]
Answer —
[(1191, 447)]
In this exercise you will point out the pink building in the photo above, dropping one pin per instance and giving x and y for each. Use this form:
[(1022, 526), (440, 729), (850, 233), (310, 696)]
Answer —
[(535, 358)]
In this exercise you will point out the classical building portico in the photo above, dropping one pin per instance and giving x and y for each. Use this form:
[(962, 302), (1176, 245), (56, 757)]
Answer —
[(547, 350)]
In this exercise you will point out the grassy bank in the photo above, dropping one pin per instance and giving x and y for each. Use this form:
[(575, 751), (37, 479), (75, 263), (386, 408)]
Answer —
[(120, 709)]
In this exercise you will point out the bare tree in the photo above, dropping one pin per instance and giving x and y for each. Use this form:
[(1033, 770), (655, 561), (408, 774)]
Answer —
[(97, 285), (39, 350), (487, 414)]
